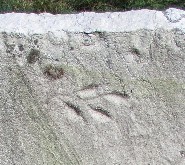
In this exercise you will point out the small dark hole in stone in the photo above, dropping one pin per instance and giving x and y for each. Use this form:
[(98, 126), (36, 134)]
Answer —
[(53, 72), (135, 51), (71, 48), (21, 48), (101, 34), (4, 34), (36, 41), (182, 153), (33, 56), (87, 41), (10, 48)]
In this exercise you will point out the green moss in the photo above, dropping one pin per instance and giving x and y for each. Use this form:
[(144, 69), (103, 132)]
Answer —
[(166, 89)]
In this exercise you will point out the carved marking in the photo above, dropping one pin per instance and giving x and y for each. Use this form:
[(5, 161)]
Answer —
[(75, 108), (100, 110), (123, 95), (88, 92), (117, 98)]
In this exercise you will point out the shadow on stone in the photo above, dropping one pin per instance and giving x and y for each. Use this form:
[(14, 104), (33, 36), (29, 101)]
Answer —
[(33, 56)]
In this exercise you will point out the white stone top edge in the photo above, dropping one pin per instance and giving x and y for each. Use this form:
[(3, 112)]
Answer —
[(89, 22)]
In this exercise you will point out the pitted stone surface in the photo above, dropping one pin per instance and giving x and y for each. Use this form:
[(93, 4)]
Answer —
[(92, 88), (174, 15)]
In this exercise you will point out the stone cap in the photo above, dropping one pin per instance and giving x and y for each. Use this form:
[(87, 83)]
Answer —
[(90, 22)]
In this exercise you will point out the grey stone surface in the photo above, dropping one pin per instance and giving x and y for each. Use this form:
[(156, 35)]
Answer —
[(109, 97)]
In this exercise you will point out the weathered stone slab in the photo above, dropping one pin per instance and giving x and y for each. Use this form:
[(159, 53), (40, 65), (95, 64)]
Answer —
[(92, 88)]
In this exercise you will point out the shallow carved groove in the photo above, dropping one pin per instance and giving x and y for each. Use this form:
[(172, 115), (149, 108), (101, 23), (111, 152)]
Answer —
[(75, 108), (123, 95), (100, 110)]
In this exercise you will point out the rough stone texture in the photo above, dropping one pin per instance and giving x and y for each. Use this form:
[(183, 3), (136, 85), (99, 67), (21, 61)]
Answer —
[(109, 91)]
